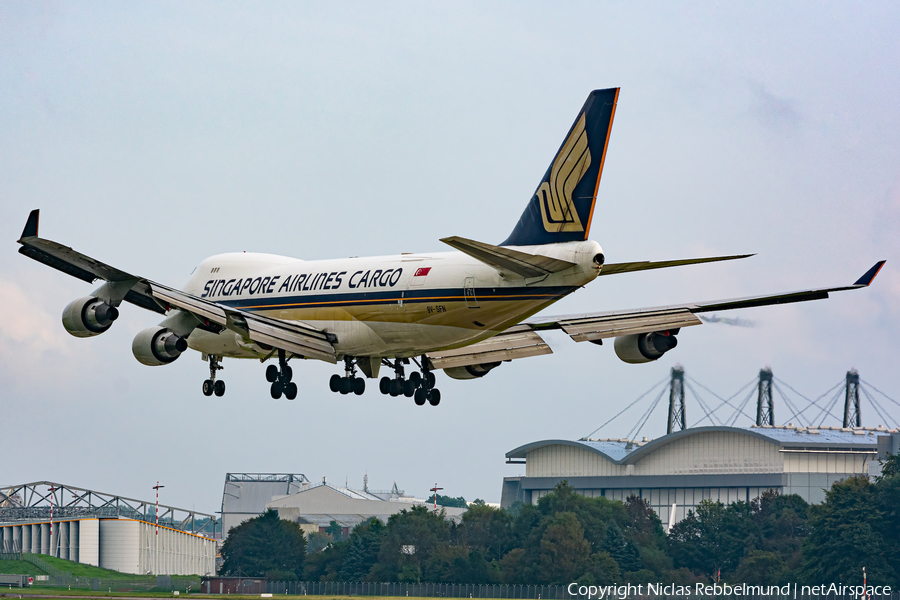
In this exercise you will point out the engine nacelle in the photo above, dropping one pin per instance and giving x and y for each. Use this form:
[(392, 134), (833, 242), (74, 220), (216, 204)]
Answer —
[(89, 316), (644, 347), (157, 346), (471, 371)]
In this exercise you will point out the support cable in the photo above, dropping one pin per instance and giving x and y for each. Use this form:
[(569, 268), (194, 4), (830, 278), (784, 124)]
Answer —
[(879, 391), (725, 400), (879, 409), (702, 405), (646, 416), (790, 405), (639, 398), (827, 410), (740, 410), (811, 402)]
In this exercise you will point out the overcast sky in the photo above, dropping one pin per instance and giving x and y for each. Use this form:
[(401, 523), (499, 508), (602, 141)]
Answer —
[(152, 135)]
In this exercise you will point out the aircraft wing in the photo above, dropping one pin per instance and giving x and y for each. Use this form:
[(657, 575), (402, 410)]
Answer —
[(519, 341), (299, 339), (602, 325)]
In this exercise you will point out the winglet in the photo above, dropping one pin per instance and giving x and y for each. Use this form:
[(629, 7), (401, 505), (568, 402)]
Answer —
[(866, 279), (31, 227)]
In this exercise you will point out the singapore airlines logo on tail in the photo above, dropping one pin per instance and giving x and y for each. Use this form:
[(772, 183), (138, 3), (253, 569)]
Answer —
[(555, 196)]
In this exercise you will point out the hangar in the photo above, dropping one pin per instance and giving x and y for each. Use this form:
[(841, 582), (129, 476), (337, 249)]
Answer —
[(675, 472), (106, 530)]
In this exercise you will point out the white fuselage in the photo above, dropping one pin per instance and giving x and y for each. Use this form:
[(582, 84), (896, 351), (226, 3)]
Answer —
[(384, 306)]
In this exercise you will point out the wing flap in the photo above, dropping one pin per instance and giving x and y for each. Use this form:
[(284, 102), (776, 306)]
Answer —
[(607, 326), (509, 260), (517, 342)]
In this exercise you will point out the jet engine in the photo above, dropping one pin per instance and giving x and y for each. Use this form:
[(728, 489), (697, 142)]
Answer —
[(471, 371), (89, 316), (644, 347), (157, 346)]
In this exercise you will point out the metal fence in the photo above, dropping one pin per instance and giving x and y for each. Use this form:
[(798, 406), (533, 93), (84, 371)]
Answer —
[(462, 590), (162, 583)]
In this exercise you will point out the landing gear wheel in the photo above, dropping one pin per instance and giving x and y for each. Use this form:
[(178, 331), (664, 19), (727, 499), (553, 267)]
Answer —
[(415, 378), (219, 388), (434, 397), (290, 390), (385, 385), (429, 379), (346, 385), (335, 383), (287, 374), (359, 386), (208, 387), (396, 387), (276, 390), (271, 373), (421, 396), (409, 388)]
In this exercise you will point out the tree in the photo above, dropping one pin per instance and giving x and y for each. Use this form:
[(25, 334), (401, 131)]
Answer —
[(363, 547), (335, 530), (563, 552), (761, 568), (642, 525), (263, 544), (487, 528), (601, 570), (448, 501), (621, 550), (410, 538), (847, 534)]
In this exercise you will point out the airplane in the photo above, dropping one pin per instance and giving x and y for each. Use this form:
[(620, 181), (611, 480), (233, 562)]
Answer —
[(464, 312)]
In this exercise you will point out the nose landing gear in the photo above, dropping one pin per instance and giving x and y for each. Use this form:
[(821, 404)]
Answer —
[(280, 378), (349, 382), (211, 386)]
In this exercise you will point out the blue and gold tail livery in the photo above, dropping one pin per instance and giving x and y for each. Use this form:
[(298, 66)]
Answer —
[(562, 207)]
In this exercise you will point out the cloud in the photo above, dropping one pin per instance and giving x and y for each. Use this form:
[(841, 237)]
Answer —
[(774, 112), (28, 327)]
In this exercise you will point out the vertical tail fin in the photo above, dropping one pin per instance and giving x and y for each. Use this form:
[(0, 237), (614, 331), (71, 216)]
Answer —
[(563, 204)]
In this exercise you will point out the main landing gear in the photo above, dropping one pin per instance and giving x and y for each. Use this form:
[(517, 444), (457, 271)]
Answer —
[(280, 378), (349, 382), (211, 386), (421, 387)]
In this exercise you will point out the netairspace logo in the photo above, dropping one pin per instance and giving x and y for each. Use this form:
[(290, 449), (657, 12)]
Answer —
[(621, 592)]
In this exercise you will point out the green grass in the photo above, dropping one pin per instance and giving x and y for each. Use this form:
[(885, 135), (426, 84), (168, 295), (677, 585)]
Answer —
[(82, 570), (19, 567)]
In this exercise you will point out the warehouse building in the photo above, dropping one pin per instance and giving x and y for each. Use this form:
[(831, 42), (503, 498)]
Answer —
[(104, 530), (314, 507), (317, 506), (676, 472)]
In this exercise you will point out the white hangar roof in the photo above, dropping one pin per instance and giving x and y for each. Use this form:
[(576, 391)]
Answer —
[(625, 452)]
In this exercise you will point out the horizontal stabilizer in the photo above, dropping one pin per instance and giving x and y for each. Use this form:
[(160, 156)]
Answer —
[(508, 260), (645, 265), (516, 342)]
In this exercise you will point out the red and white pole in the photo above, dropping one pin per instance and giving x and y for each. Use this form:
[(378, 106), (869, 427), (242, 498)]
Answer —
[(156, 487)]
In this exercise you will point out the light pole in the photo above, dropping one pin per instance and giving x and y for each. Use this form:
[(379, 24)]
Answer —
[(435, 490), (156, 561)]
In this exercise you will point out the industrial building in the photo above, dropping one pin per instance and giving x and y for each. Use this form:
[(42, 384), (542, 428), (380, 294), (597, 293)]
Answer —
[(105, 530), (674, 473), (314, 507)]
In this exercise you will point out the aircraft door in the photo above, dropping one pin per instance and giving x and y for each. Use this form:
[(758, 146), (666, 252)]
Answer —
[(469, 293)]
